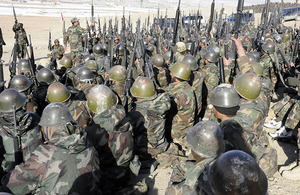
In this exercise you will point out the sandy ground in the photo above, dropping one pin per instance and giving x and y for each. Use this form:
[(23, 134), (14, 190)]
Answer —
[(38, 28)]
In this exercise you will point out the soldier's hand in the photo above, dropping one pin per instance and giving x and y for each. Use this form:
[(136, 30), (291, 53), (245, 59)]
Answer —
[(226, 61), (65, 47)]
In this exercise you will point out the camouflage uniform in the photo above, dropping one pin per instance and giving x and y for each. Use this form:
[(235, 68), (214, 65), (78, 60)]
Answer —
[(161, 77), (74, 37), (83, 86), (118, 88), (30, 137), (22, 40), (211, 77), (293, 117), (178, 57), (1, 44), (267, 63), (65, 165), (80, 113), (184, 107), (190, 178), (58, 51), (196, 82), (282, 107)]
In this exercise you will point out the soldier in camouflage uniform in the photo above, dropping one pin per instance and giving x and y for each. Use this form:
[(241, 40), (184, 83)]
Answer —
[(206, 142), (58, 51), (74, 38), (65, 164), (268, 62), (27, 129), (21, 37), (117, 77), (180, 51), (161, 74), (1, 43)]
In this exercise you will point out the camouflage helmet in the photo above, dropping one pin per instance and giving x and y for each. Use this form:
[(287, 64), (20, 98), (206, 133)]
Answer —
[(150, 48), (92, 65), (45, 75), (158, 60), (97, 49), (225, 96), (118, 73), (23, 65), (236, 172), (206, 139), (211, 56), (85, 74), (20, 83), (167, 56), (248, 85), (191, 61), (269, 47), (286, 36), (88, 57), (10, 98), (143, 87), (180, 47), (55, 114), (101, 98), (66, 61), (188, 46), (57, 92), (181, 70), (257, 67)]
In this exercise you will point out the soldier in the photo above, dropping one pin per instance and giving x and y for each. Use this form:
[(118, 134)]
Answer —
[(25, 135), (66, 160), (161, 74), (23, 67), (1, 43), (74, 37), (206, 142), (57, 54), (117, 76), (180, 51), (267, 61), (21, 38)]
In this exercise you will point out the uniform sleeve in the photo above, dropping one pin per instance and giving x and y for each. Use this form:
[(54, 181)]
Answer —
[(66, 38)]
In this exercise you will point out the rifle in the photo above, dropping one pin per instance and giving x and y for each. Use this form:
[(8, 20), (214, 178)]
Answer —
[(31, 62), (219, 25), (221, 67), (110, 52), (85, 48), (174, 40), (99, 26), (64, 24), (123, 39), (53, 64), (88, 29), (49, 44), (296, 47), (2, 82), (15, 16), (211, 18), (286, 62), (17, 140)]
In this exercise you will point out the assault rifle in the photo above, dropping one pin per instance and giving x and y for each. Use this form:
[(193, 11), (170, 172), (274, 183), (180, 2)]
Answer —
[(174, 40), (17, 140), (32, 62), (211, 18)]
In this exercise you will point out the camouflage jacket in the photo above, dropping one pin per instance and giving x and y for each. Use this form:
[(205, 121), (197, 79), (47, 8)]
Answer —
[(160, 77), (58, 51), (63, 166), (80, 113), (196, 82), (183, 106), (211, 77), (189, 178), (119, 88), (30, 137), (74, 37), (20, 35)]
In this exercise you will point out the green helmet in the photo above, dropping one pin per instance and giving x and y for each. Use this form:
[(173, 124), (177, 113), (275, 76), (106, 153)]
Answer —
[(286, 36), (254, 56), (92, 65), (235, 173), (20, 83), (248, 85), (180, 47), (158, 60), (278, 38), (55, 114), (101, 98), (88, 57), (257, 68), (206, 139), (118, 73), (85, 74), (269, 47), (97, 49), (23, 65), (143, 87), (10, 98), (191, 61), (167, 56), (181, 70), (76, 68), (66, 61), (211, 56), (45, 75), (225, 96), (57, 92)]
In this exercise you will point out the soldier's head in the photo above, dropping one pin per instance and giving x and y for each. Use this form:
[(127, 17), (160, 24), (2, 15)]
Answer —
[(11, 99), (150, 50), (268, 47), (180, 47), (57, 92), (117, 40), (191, 61), (19, 26), (206, 140), (143, 88), (248, 85), (211, 56), (97, 49), (85, 74), (235, 173), (20, 83), (45, 76), (167, 57), (100, 98), (56, 42), (92, 65), (75, 21), (120, 50), (87, 58), (225, 101), (158, 60), (23, 67), (118, 73), (180, 71), (66, 61)]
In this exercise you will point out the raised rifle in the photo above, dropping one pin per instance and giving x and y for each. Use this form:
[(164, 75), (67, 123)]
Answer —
[(211, 18), (123, 39), (32, 62), (63, 24), (221, 66), (17, 140), (88, 29), (110, 52), (174, 39), (99, 26), (15, 16), (219, 25), (49, 43), (2, 82)]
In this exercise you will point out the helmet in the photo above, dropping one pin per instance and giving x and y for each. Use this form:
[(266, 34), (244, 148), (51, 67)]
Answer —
[(91, 64), (206, 139), (188, 39), (225, 96), (88, 57), (152, 41), (118, 73), (24, 65), (66, 61), (9, 98), (211, 56), (85, 73), (57, 92), (286, 36), (180, 46), (56, 40), (76, 68), (55, 114), (269, 47), (167, 56), (236, 172), (188, 46), (191, 61), (150, 48), (101, 98), (120, 50), (97, 49), (181, 70), (278, 38), (248, 85), (45, 75), (257, 68), (143, 87), (251, 58), (73, 20), (105, 47), (158, 60), (255, 55), (20, 83)]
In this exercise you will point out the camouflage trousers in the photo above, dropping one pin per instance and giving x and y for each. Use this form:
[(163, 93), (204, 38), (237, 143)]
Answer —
[(293, 117), (22, 51), (282, 107)]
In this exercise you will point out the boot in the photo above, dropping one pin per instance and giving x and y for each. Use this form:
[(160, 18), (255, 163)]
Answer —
[(293, 174)]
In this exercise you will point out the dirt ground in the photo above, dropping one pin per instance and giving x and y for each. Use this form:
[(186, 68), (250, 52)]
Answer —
[(38, 28)]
